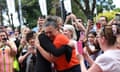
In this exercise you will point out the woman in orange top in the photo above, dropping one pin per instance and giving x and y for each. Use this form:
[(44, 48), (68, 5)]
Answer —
[(61, 64)]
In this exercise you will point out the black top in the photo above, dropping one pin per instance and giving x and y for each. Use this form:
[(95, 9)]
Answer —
[(42, 64)]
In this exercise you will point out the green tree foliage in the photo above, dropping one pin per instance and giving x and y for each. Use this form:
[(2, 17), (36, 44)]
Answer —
[(78, 12), (109, 14), (117, 9), (3, 3), (88, 6), (81, 8), (52, 6), (104, 5), (2, 7), (31, 11)]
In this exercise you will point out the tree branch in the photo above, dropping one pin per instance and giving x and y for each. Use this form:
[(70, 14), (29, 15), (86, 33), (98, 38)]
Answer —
[(87, 7), (93, 6), (80, 6)]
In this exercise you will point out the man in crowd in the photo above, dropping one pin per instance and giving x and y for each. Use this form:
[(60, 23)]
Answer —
[(40, 23)]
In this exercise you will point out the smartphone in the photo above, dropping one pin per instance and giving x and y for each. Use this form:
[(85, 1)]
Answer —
[(80, 48), (117, 17), (69, 13)]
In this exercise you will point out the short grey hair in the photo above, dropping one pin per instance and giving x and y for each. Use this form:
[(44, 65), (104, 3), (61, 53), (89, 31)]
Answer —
[(51, 23)]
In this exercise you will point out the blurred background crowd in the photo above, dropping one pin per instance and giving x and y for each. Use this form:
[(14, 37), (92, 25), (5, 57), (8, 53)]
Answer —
[(85, 39)]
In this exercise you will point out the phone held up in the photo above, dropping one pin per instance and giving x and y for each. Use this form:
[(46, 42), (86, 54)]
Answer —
[(117, 17)]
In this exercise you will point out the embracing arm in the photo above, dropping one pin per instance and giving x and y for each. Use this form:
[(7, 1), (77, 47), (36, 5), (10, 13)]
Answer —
[(45, 54), (87, 57), (43, 39), (93, 66)]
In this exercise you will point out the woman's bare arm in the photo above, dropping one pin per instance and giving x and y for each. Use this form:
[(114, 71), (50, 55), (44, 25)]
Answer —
[(94, 67)]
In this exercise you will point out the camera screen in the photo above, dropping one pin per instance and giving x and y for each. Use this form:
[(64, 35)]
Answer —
[(117, 17)]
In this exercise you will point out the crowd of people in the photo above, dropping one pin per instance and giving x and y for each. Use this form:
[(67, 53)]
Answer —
[(55, 45)]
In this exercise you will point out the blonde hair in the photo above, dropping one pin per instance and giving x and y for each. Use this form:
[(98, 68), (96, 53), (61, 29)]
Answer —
[(71, 28), (24, 31)]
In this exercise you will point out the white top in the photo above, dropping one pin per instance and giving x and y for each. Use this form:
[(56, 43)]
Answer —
[(109, 61)]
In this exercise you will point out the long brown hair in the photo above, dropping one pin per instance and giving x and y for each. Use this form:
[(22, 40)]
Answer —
[(107, 32)]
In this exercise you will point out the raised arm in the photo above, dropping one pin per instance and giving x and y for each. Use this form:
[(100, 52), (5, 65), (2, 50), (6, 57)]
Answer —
[(93, 68), (12, 46)]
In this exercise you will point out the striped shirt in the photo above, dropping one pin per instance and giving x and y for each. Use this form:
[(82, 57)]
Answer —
[(6, 60)]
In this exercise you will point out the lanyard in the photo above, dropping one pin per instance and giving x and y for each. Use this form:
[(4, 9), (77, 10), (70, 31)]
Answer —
[(3, 51)]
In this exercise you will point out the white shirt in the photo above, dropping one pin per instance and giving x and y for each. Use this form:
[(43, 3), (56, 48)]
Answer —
[(109, 61)]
